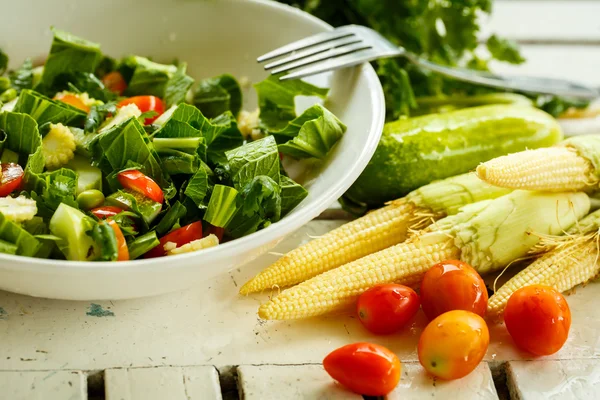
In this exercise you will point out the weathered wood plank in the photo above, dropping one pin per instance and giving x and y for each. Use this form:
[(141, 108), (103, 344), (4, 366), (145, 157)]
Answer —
[(294, 382), (43, 385), (189, 383), (554, 380), (416, 384)]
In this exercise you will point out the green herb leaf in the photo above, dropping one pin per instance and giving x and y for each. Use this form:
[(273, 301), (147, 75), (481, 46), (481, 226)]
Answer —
[(22, 78), (260, 157), (50, 189), (178, 86), (504, 50), (98, 114), (214, 96)]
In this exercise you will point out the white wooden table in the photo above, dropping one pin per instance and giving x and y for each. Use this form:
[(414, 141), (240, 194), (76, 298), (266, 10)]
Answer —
[(207, 342)]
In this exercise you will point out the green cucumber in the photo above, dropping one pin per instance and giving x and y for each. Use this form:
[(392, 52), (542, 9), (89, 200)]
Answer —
[(413, 152), (89, 177)]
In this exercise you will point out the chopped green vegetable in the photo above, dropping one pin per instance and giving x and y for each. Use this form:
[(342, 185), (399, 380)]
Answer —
[(178, 86), (106, 240), (222, 206), (89, 199), (15, 235), (260, 157), (22, 78), (197, 188), (72, 227), (214, 96), (171, 218), (142, 244), (45, 110), (146, 77), (291, 194)]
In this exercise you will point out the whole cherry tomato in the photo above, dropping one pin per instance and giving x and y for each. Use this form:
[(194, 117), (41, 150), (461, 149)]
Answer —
[(453, 344), (364, 368), (453, 285), (386, 308), (145, 103), (538, 319), (10, 180), (138, 182), (73, 100), (121, 242), (115, 82), (180, 236)]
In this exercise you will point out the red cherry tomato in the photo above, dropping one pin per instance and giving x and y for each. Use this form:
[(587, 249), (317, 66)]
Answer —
[(538, 319), (114, 82), (453, 344), (121, 242), (217, 231), (364, 368), (12, 175), (73, 100), (180, 236), (145, 103), (386, 308), (106, 211), (453, 285), (138, 182)]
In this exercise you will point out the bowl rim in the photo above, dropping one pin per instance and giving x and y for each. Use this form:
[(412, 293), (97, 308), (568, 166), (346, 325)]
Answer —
[(257, 239)]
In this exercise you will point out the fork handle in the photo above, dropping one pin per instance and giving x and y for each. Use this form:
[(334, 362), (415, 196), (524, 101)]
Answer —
[(552, 86)]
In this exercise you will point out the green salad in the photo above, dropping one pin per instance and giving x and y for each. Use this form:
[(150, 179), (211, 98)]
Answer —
[(111, 160)]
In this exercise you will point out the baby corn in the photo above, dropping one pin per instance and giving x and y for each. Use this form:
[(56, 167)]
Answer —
[(488, 235), (573, 165), (375, 231), (566, 262)]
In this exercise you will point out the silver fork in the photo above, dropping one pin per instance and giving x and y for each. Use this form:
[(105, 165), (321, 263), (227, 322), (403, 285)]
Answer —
[(353, 44)]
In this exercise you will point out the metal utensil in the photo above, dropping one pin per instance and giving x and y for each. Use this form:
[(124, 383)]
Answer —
[(353, 44)]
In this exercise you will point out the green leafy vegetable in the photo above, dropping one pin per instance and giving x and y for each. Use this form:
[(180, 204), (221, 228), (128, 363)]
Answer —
[(69, 55), (178, 86), (142, 244), (78, 82), (258, 204), (22, 78), (292, 194), (276, 99), (222, 206), (504, 50), (197, 187), (146, 77), (98, 114), (171, 218), (50, 189), (23, 138), (44, 109), (312, 134), (3, 62), (229, 137), (260, 157), (104, 236), (129, 200), (13, 234), (214, 96)]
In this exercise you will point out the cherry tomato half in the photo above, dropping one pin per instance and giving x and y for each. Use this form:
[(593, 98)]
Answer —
[(145, 103), (364, 368), (453, 285), (538, 319), (138, 182), (106, 211), (121, 242), (115, 82), (386, 308), (453, 344), (73, 100), (180, 236), (12, 175)]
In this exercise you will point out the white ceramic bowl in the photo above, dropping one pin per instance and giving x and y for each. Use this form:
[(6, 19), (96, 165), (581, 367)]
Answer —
[(213, 37)]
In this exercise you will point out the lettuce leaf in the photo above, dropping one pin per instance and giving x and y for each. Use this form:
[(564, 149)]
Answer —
[(276, 99), (292, 193), (13, 235), (260, 157), (145, 77), (69, 55), (44, 109), (128, 143), (312, 134), (214, 96), (178, 86)]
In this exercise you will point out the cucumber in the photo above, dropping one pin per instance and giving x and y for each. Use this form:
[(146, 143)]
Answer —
[(88, 176), (413, 152), (71, 226)]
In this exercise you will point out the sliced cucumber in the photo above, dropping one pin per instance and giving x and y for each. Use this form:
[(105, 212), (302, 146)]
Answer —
[(71, 225), (88, 177)]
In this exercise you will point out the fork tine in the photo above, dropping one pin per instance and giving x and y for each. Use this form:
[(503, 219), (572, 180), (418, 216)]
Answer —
[(306, 42), (348, 60), (316, 49), (332, 53)]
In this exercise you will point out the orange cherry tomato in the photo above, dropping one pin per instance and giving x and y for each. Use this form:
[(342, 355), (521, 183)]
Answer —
[(138, 182), (115, 82), (386, 308), (453, 344), (12, 175), (364, 368), (106, 211), (72, 100), (121, 242), (452, 285), (145, 103), (180, 236), (538, 319)]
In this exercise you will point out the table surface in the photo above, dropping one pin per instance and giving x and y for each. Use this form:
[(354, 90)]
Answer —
[(207, 342)]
